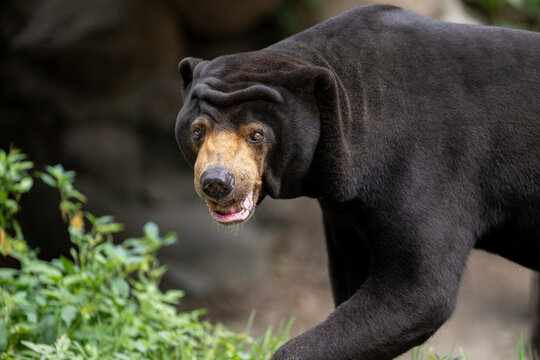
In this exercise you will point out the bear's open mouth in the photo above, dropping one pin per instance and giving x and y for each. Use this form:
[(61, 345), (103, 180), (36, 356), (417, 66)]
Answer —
[(233, 211)]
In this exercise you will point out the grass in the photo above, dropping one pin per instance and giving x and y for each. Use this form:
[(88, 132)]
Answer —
[(421, 353), (525, 352)]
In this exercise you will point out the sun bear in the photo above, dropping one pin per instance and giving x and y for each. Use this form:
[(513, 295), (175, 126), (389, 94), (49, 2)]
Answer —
[(420, 140)]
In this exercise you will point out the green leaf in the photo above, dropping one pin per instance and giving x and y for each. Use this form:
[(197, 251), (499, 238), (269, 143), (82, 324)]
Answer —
[(119, 287), (151, 230), (73, 279), (173, 296), (11, 206), (102, 220), (62, 344), (25, 184), (69, 313), (109, 228), (140, 346), (48, 179), (6, 273), (133, 260), (77, 195), (4, 336), (57, 170), (47, 329), (31, 317), (170, 239), (42, 349), (15, 156), (43, 268), (25, 165), (120, 356), (115, 253), (68, 265)]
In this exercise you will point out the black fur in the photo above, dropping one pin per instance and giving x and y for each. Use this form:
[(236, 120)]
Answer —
[(421, 141)]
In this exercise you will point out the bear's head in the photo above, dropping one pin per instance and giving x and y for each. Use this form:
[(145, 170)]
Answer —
[(249, 127)]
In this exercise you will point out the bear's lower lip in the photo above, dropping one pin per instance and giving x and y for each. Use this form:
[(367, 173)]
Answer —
[(232, 212)]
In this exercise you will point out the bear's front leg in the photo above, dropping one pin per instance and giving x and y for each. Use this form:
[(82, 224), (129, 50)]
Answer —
[(409, 293)]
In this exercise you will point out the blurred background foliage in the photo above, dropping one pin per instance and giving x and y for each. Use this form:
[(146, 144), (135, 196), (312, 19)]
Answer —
[(511, 13), (293, 16)]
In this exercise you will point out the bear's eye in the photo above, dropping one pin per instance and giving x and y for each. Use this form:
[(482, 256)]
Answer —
[(197, 135), (256, 137)]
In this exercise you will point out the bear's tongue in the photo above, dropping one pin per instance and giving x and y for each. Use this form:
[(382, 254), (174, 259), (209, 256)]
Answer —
[(231, 211)]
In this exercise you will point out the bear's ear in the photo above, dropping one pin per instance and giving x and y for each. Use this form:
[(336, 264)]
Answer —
[(294, 170), (322, 83), (186, 68), (324, 88), (332, 156)]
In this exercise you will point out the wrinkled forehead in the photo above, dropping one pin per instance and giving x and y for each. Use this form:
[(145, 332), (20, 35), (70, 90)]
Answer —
[(215, 91), (252, 80), (257, 66), (240, 88), (247, 76)]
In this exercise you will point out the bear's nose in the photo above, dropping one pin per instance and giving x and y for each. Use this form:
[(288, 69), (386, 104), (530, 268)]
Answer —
[(217, 182)]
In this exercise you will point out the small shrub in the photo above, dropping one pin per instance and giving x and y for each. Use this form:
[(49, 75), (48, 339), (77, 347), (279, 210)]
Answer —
[(104, 302)]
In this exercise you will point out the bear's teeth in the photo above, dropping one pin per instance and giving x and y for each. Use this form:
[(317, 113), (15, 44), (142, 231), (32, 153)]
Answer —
[(247, 204), (227, 209)]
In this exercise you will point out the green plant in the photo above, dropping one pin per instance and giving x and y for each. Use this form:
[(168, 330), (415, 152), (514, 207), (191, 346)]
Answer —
[(293, 16), (14, 181), (104, 302), (511, 13), (420, 353), (525, 352)]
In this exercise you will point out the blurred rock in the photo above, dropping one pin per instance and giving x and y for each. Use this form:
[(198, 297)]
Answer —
[(99, 46), (111, 155), (214, 18)]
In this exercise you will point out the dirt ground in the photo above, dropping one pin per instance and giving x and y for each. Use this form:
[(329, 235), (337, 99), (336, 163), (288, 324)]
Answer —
[(494, 305)]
